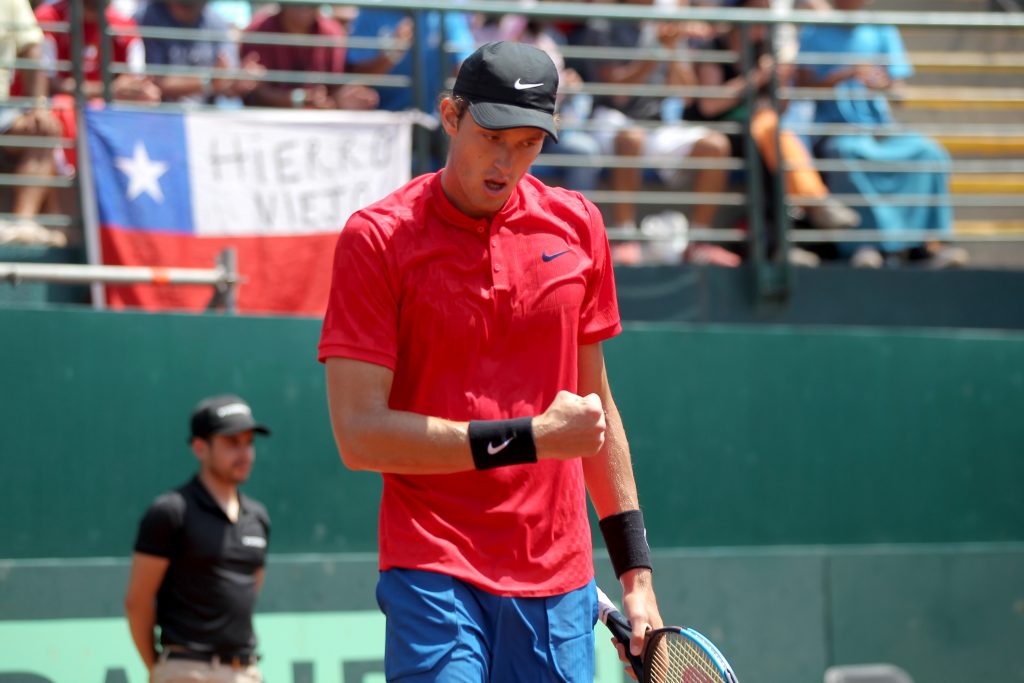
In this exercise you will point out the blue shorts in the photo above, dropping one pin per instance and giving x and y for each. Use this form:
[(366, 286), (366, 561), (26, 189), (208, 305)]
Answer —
[(442, 629)]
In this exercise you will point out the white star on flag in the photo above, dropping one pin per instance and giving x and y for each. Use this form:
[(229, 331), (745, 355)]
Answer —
[(143, 173)]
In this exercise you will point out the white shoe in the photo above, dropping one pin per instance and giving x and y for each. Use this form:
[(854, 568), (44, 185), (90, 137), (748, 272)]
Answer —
[(803, 258), (832, 215), (947, 256), (28, 231), (667, 237), (867, 257)]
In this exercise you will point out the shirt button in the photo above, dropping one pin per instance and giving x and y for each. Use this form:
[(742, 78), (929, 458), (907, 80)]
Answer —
[(479, 228), (494, 243), (497, 267)]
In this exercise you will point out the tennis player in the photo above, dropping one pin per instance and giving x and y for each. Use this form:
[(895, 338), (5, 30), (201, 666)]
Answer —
[(462, 345)]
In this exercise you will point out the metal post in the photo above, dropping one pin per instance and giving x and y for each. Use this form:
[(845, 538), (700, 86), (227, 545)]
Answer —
[(83, 175), (90, 213), (103, 27), (752, 164), (780, 269), (421, 136), (77, 15), (227, 261)]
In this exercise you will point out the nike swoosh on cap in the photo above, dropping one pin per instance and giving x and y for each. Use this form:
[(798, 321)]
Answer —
[(519, 85)]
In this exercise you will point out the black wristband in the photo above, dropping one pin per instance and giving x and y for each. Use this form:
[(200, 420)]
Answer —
[(496, 443), (626, 539)]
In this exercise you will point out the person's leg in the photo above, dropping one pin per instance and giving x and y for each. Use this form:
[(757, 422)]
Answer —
[(687, 141), (803, 182), (546, 639), (630, 143), (28, 200), (33, 162), (712, 145), (582, 144), (182, 671), (436, 629)]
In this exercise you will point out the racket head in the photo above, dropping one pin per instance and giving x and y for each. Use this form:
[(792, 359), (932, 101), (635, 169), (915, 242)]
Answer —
[(683, 655)]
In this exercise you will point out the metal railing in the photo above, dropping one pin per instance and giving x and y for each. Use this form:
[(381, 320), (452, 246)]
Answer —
[(224, 278), (766, 235)]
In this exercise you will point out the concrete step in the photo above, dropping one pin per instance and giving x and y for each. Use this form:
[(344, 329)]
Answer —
[(1010, 41)]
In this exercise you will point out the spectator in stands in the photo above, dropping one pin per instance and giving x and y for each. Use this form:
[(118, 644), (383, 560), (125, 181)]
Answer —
[(303, 20), (203, 52), (878, 45), (126, 49), (618, 115), (434, 60), (572, 107), (20, 37), (803, 182)]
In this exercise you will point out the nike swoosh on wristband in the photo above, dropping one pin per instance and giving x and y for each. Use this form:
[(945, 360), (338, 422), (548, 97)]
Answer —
[(551, 257), (494, 450), (519, 85)]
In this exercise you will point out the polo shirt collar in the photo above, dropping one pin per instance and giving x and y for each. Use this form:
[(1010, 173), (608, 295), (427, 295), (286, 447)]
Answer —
[(206, 499), (452, 215)]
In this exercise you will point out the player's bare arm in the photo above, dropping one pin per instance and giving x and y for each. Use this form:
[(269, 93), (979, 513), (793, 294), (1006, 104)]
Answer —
[(147, 573), (372, 436), (612, 490)]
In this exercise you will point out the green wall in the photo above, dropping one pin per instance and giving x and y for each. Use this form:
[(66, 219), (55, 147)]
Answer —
[(781, 615), (814, 496), (742, 436)]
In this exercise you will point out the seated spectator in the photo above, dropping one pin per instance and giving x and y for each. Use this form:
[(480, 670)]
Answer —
[(20, 37), (302, 20), (619, 135), (803, 182), (849, 84), (432, 57), (203, 52), (126, 49)]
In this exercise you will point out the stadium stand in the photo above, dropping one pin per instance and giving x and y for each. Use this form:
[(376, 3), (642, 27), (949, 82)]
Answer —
[(963, 94)]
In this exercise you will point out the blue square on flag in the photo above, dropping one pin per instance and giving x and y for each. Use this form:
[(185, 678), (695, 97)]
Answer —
[(140, 167)]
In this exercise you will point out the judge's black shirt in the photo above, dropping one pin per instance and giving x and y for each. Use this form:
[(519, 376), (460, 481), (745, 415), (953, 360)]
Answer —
[(206, 600)]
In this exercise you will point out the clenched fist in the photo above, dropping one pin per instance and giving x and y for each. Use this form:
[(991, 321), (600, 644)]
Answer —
[(571, 427)]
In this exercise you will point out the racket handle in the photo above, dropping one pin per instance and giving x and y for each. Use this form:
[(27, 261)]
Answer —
[(620, 628)]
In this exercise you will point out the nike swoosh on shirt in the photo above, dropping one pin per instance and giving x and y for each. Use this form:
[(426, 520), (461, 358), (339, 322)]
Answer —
[(551, 257), (494, 450), (519, 85)]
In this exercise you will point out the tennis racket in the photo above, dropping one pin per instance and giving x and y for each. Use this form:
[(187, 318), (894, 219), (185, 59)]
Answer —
[(671, 654)]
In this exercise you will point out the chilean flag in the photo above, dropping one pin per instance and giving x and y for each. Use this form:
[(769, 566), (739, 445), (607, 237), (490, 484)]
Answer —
[(176, 189)]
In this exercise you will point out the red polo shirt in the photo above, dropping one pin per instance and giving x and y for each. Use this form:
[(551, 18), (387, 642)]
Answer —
[(61, 40), (319, 58), (478, 319)]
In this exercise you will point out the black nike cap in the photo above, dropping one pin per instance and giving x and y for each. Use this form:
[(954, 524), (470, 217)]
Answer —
[(225, 414), (510, 85)]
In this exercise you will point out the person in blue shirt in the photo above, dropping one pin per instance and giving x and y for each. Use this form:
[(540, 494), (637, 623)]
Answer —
[(436, 64), (205, 52), (860, 96)]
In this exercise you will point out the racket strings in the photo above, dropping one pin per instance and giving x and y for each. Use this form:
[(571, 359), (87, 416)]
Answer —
[(677, 659)]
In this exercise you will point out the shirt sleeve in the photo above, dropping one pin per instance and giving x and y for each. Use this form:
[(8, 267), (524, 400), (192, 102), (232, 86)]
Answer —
[(26, 30), (361, 322), (459, 37), (599, 315), (899, 64), (368, 24), (160, 528)]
